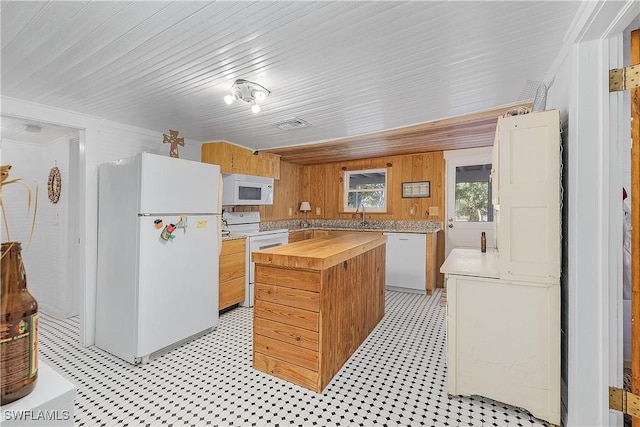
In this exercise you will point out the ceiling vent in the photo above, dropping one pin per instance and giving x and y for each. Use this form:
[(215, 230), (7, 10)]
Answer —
[(294, 123)]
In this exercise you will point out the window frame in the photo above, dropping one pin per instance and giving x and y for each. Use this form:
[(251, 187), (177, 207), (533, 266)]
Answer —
[(345, 190)]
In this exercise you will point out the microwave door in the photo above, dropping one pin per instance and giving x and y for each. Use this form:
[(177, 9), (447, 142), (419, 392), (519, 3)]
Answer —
[(249, 193)]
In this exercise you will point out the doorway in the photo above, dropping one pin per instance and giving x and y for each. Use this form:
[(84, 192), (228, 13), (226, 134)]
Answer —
[(37, 152), (468, 198)]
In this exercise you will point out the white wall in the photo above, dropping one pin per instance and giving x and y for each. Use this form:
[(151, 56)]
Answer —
[(100, 141), (45, 258)]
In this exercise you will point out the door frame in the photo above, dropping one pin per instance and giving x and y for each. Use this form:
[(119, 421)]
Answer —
[(453, 159), (594, 205)]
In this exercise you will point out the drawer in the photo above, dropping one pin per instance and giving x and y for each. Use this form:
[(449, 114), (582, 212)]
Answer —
[(298, 279), (288, 315), (283, 351), (233, 246), (232, 266), (231, 292), (288, 296), (286, 333)]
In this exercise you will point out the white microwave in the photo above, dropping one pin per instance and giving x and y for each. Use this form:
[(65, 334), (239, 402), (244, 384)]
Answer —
[(240, 189)]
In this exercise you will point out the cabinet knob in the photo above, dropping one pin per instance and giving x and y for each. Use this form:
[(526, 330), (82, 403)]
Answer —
[(450, 225)]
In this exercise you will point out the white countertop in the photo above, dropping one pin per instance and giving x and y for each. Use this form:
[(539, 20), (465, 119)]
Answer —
[(472, 262), (49, 404)]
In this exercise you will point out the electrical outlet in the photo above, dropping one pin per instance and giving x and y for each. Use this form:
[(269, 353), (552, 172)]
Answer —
[(412, 210), (318, 211), (290, 211), (434, 210)]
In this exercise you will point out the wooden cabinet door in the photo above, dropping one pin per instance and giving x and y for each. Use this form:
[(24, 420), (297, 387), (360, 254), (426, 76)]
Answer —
[(296, 236), (217, 153), (232, 273)]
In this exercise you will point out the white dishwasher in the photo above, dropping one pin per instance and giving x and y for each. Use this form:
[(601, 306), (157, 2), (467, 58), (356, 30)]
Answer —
[(406, 262)]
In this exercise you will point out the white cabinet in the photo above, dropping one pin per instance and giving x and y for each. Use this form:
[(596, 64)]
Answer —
[(503, 340), (503, 306), (526, 196), (406, 262)]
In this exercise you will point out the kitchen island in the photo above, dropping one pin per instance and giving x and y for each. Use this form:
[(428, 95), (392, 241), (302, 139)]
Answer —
[(316, 301)]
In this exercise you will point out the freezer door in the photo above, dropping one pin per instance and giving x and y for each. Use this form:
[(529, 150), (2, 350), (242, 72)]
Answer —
[(170, 185), (178, 285)]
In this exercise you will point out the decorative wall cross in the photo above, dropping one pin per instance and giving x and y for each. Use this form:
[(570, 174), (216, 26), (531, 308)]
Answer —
[(173, 139)]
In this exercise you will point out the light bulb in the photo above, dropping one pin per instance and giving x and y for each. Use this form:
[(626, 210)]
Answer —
[(259, 95), (255, 108), (228, 99)]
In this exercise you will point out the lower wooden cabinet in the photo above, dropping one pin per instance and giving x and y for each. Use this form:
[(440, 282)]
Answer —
[(232, 273), (298, 236)]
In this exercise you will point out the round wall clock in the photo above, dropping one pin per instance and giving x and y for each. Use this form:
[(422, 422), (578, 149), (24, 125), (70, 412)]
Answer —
[(54, 185)]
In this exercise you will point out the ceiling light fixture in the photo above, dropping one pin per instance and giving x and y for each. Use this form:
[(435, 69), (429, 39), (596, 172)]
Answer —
[(244, 90)]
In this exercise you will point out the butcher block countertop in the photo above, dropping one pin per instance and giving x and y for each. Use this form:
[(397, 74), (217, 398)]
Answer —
[(319, 253)]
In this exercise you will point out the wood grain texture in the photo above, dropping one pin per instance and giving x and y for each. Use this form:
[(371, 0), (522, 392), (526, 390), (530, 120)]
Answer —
[(288, 315), (287, 333), (323, 186), (232, 266), (233, 246), (347, 304), (319, 253), (231, 285), (299, 279), (469, 131), (288, 296), (287, 371), (235, 159), (231, 292), (635, 224), (284, 351), (320, 184), (432, 255)]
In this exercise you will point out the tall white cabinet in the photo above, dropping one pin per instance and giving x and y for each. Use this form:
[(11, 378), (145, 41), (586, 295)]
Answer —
[(503, 306)]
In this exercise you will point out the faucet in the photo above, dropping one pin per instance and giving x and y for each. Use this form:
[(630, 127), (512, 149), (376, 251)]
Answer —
[(362, 222)]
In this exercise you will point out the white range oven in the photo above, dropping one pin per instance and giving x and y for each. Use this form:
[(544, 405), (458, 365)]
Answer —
[(248, 224)]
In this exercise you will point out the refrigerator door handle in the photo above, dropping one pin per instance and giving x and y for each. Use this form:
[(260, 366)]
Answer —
[(220, 214)]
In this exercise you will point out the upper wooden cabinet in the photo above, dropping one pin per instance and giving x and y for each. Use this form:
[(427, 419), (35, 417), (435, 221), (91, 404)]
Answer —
[(235, 159)]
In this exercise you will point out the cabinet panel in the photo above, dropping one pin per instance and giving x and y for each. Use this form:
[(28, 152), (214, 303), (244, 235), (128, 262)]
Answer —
[(231, 292), (528, 174), (232, 266), (232, 273), (503, 342), (236, 159), (233, 246)]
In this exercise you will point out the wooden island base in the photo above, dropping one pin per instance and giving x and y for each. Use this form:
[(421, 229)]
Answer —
[(316, 301)]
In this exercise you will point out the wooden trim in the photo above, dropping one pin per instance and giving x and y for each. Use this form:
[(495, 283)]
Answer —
[(635, 224), (469, 131)]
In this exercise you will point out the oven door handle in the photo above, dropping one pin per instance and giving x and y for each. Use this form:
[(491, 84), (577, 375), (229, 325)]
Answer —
[(270, 246)]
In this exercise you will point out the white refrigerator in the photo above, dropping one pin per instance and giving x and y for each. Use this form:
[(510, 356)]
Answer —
[(158, 248)]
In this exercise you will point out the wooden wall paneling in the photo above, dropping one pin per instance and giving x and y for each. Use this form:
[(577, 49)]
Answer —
[(287, 193), (321, 183)]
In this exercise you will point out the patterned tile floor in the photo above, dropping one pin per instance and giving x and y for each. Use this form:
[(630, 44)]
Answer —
[(396, 378)]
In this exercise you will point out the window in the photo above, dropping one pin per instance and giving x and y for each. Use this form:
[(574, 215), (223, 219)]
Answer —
[(366, 188), (473, 193)]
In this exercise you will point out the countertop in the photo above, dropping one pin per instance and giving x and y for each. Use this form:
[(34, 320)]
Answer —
[(421, 227), (472, 262), (319, 253), (233, 237)]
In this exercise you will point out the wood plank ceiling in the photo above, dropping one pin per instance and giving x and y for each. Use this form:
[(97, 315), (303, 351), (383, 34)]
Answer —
[(348, 68), (470, 131)]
